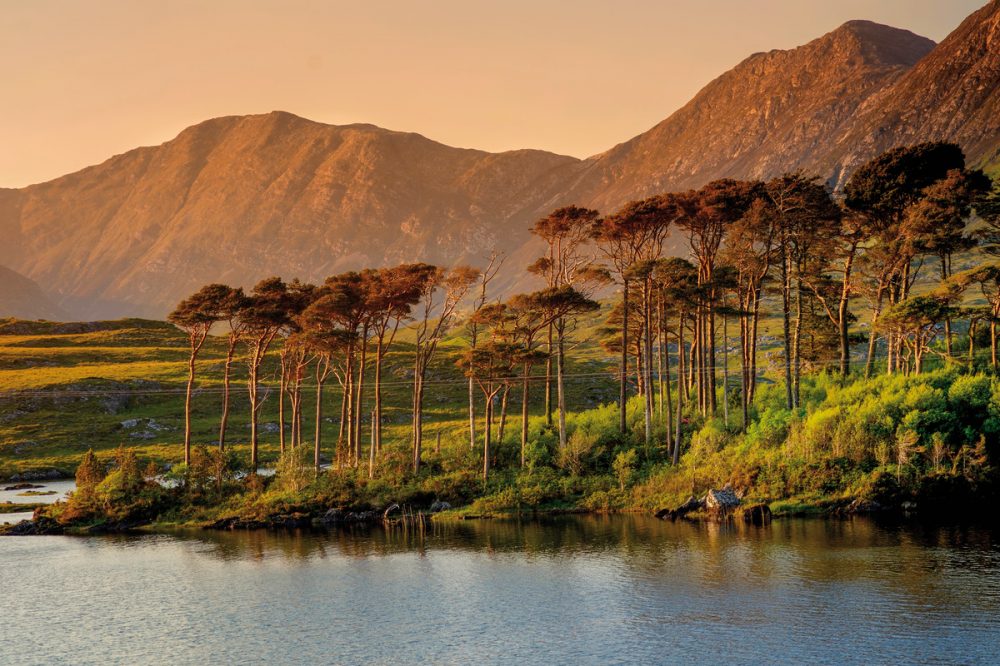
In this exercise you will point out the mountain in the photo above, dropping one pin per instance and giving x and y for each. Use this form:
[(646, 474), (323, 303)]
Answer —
[(239, 198), (24, 299), (951, 95), (771, 113)]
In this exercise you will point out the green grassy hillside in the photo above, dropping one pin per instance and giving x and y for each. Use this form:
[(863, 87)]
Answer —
[(65, 390)]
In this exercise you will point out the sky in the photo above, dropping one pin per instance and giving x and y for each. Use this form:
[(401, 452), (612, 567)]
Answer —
[(82, 81)]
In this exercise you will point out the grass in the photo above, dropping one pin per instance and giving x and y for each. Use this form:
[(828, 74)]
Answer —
[(121, 383), (63, 393), (13, 507)]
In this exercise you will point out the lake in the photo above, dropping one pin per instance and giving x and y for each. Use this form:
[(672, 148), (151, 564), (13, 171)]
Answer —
[(567, 590)]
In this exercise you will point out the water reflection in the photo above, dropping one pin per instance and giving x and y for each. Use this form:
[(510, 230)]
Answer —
[(590, 589)]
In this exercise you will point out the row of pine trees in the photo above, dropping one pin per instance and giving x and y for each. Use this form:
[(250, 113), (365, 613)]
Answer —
[(789, 247)]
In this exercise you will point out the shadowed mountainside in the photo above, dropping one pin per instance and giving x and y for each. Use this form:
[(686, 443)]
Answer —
[(22, 298)]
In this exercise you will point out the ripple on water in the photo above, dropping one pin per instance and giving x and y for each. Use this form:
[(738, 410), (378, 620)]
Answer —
[(573, 590)]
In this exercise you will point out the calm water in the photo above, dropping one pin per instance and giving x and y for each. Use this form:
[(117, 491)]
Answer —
[(59, 490), (572, 590)]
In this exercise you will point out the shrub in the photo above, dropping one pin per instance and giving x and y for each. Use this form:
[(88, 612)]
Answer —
[(459, 487), (579, 446), (624, 467)]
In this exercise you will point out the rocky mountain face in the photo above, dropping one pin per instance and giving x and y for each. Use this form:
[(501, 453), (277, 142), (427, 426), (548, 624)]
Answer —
[(771, 113), (23, 299), (236, 199), (953, 94)]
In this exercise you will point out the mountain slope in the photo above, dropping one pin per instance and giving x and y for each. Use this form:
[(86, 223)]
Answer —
[(239, 198), (951, 95), (771, 113), (22, 298)]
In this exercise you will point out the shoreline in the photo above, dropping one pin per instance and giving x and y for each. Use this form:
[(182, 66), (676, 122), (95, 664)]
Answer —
[(837, 509)]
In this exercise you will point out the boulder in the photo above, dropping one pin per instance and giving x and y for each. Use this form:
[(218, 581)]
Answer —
[(36, 527), (723, 499), (692, 504), (861, 507), (756, 514), (23, 486), (40, 475), (439, 506), (335, 517)]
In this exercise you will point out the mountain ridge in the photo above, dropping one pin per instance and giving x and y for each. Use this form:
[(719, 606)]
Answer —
[(238, 198)]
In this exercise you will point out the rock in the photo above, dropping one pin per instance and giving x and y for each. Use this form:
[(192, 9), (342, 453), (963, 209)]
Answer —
[(23, 486), (236, 523), (291, 521), (721, 500), (692, 504), (860, 507), (36, 527), (438, 506), (130, 423), (756, 514), (339, 517), (40, 475)]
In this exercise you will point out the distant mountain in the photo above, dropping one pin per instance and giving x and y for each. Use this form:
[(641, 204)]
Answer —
[(239, 198), (22, 298)]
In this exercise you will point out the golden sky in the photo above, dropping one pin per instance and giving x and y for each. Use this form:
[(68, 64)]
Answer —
[(85, 80)]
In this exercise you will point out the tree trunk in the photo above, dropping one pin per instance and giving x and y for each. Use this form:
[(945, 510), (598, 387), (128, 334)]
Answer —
[(659, 360), (797, 346), (418, 414), (317, 438), (358, 410), (744, 367), (377, 418), (622, 396), (872, 336), (472, 416), (725, 369), (524, 411), (753, 346), (560, 381), (648, 371), (343, 424), (713, 405), (786, 328), (371, 451), (225, 392), (680, 391), (503, 415), (993, 343), (349, 415), (487, 431), (972, 344), (252, 389), (282, 388), (696, 360), (665, 386), (548, 379), (196, 344), (842, 315)]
